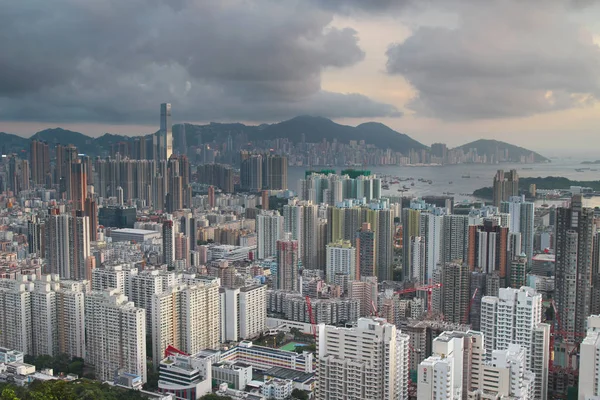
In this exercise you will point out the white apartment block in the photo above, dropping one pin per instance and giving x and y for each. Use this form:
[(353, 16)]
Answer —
[(111, 277), (49, 319), (514, 317), (70, 319), (144, 285), (186, 317), (589, 371), (243, 312), (116, 335), (341, 260), (453, 371), (44, 317), (15, 318), (269, 229), (507, 377), (369, 361)]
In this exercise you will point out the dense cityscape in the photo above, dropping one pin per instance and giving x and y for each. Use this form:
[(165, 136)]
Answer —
[(169, 276)]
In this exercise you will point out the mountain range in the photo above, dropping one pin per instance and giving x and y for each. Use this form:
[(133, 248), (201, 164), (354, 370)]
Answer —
[(312, 129)]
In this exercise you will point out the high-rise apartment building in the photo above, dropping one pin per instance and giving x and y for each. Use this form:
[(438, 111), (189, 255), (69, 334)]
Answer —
[(42, 316), (455, 238), (269, 229), (115, 335), (364, 290), (111, 276), (506, 376), (168, 241), (341, 263), (15, 318), (142, 286), (454, 369), (456, 292), (39, 160), (369, 361), (287, 264), (488, 245), (67, 244), (365, 251), (243, 312), (382, 222), (521, 221), (186, 317), (432, 230), (505, 186), (274, 170), (411, 228), (79, 178), (251, 174), (514, 317), (589, 375), (574, 236)]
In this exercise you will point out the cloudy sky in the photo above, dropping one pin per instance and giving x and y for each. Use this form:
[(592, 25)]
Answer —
[(525, 71)]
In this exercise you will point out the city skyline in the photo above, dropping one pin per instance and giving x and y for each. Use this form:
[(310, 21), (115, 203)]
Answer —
[(350, 61)]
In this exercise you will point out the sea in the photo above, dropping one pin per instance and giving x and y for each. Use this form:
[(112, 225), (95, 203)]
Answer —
[(461, 180)]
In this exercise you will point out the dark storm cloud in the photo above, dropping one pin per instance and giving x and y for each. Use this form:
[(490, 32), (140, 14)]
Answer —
[(114, 61), (504, 59)]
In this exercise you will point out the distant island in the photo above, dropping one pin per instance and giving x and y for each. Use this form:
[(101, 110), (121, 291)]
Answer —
[(547, 183), (591, 162)]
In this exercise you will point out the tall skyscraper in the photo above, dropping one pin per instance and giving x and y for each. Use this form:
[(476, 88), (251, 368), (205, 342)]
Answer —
[(514, 317), (369, 361), (574, 247), (269, 229), (91, 211), (39, 160), (505, 186), (78, 184), (432, 229), (411, 227), (186, 317), (287, 263), (365, 248), (168, 241), (116, 335), (521, 221), (211, 196), (163, 139)]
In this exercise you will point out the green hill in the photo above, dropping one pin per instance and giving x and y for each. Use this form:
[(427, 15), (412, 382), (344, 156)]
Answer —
[(492, 147)]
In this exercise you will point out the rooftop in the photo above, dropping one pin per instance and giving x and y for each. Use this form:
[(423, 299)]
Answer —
[(133, 231), (286, 373)]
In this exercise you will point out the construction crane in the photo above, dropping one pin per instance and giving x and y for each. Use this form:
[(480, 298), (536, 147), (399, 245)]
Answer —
[(466, 316), (312, 318), (426, 288), (562, 333), (374, 309)]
